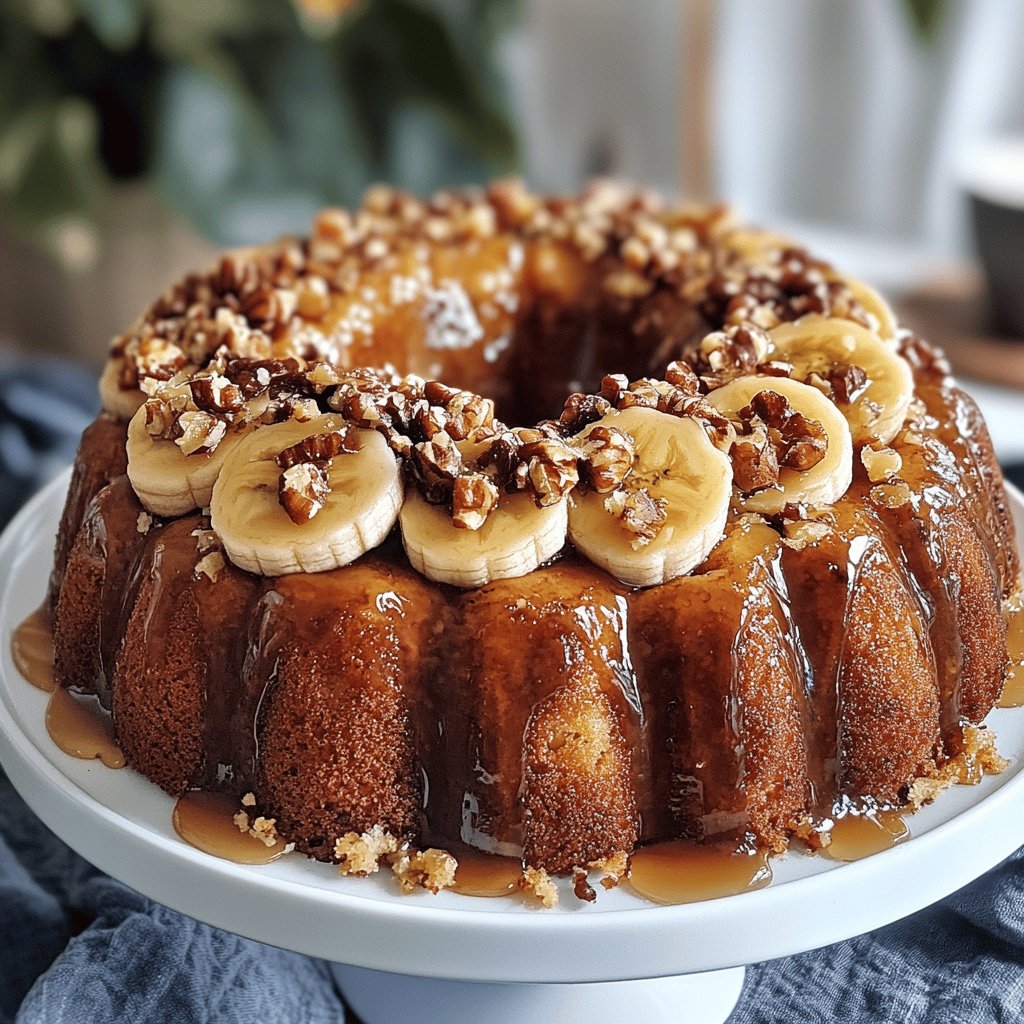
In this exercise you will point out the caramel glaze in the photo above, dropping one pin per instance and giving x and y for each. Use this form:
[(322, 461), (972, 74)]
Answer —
[(32, 649), (856, 836), (81, 728), (682, 872), (206, 821), (560, 717), (1013, 692)]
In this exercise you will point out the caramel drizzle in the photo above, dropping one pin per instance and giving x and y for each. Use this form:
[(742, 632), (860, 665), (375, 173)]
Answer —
[(1013, 689), (206, 821), (684, 872), (82, 729), (32, 650)]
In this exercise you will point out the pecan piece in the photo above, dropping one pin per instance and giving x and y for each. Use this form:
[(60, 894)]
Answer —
[(608, 455), (639, 512), (303, 490), (319, 449), (474, 497), (754, 467)]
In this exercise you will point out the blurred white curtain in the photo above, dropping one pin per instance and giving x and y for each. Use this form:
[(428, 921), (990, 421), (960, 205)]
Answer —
[(835, 111), (830, 112)]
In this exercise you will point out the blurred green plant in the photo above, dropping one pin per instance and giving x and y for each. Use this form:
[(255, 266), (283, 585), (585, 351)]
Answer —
[(246, 115), (925, 18)]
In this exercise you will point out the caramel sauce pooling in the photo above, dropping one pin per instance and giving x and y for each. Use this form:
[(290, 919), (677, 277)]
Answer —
[(856, 836), (32, 650), (82, 729), (681, 871), (206, 821)]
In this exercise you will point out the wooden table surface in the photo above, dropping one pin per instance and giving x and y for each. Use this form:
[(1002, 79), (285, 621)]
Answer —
[(951, 313)]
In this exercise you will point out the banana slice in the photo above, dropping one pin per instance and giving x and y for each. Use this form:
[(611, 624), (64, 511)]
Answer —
[(822, 484), (874, 304), (116, 400), (817, 344), (676, 463), (258, 534), (166, 480), (514, 539)]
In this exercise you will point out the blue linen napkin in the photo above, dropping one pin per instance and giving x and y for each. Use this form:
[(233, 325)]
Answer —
[(76, 947)]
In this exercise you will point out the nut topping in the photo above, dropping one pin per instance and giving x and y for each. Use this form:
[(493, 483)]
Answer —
[(303, 490)]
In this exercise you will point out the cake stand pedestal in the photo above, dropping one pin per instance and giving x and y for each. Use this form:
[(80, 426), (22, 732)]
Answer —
[(425, 959), (706, 998)]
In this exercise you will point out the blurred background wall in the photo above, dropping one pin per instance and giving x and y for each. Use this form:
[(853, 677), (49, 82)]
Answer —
[(138, 135)]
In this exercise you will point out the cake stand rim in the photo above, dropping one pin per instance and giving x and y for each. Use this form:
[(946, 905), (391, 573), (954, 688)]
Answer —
[(575, 945)]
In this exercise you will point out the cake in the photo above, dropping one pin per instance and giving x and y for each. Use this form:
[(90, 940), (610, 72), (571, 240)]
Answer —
[(745, 575)]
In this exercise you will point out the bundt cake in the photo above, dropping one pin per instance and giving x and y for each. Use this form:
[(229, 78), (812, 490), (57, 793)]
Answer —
[(751, 577)]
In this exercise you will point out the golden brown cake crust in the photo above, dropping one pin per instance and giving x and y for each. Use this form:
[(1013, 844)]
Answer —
[(832, 654)]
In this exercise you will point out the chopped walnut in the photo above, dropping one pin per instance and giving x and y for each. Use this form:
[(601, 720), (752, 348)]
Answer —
[(200, 431), (754, 467), (582, 888), (639, 513), (801, 442), (215, 394), (552, 469), (848, 383), (211, 565), (320, 448), (608, 455), (144, 522), (735, 350), (303, 490), (249, 800), (474, 497), (361, 854), (881, 463)]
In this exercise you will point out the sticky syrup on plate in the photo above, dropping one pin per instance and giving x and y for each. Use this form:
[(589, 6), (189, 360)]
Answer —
[(32, 650), (686, 872), (206, 821), (81, 728)]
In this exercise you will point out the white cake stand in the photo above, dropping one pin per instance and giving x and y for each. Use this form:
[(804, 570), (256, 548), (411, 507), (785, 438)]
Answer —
[(454, 958)]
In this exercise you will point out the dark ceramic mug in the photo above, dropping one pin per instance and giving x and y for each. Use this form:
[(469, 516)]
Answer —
[(994, 181)]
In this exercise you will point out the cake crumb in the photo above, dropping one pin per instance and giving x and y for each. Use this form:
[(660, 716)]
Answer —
[(261, 828), (361, 854), (978, 758), (613, 868), (431, 869), (537, 882), (144, 522)]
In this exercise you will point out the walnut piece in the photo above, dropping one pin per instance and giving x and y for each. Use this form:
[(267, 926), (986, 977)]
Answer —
[(641, 514), (608, 455), (474, 497), (800, 441), (320, 448), (303, 490), (754, 467)]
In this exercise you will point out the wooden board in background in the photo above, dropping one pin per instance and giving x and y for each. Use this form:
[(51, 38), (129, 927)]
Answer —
[(951, 313)]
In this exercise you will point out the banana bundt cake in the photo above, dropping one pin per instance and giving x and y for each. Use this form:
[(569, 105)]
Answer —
[(749, 578)]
